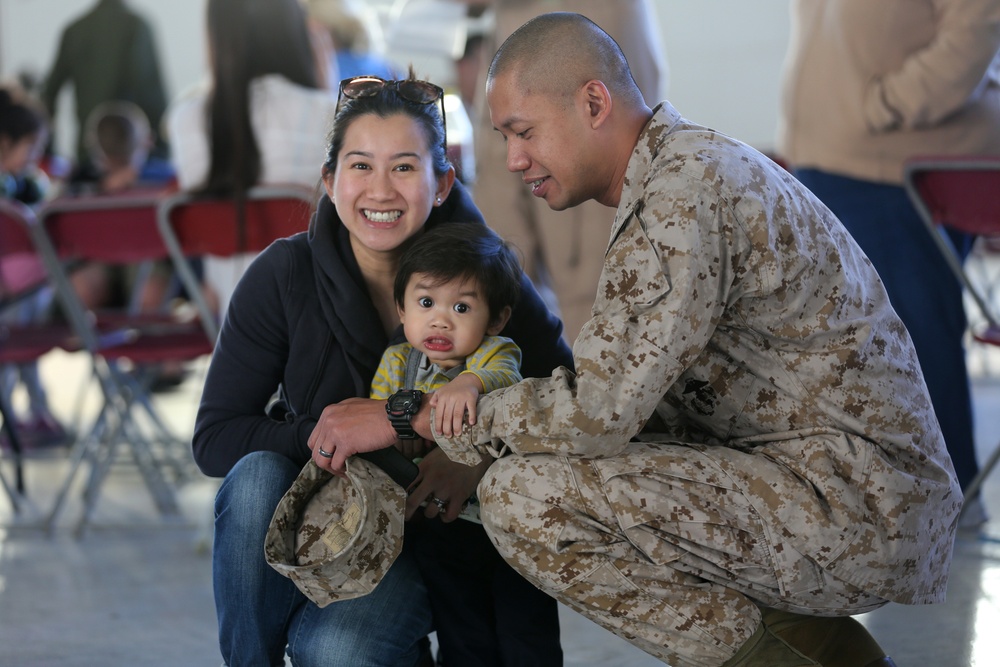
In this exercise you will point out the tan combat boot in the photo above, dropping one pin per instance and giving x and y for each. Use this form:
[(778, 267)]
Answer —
[(764, 649), (830, 641)]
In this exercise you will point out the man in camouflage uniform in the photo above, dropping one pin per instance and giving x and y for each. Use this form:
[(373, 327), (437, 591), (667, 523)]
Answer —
[(798, 464), (747, 454)]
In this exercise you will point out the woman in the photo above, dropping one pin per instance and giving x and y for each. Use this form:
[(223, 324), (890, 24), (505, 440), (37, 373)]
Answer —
[(312, 315), (260, 120)]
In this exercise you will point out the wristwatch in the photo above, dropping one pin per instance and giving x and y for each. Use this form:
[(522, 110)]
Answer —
[(401, 407)]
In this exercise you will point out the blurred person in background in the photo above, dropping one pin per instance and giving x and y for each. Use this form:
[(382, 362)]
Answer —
[(118, 139), (23, 133), (109, 53), (353, 53), (866, 86), (261, 118)]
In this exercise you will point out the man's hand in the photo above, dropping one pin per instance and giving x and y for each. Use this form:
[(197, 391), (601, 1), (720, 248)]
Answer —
[(346, 428)]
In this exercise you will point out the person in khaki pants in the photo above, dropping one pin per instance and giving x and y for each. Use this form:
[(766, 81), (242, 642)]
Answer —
[(562, 249)]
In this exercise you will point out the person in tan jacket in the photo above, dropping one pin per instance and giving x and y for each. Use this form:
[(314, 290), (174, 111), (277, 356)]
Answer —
[(867, 85)]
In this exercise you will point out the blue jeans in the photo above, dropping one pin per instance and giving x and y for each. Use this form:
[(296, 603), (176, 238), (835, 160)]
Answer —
[(261, 612), (922, 289)]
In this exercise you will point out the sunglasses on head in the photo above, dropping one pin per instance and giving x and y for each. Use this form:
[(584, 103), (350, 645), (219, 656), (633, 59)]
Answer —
[(411, 90)]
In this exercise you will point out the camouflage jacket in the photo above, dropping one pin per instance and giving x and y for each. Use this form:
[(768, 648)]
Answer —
[(735, 311)]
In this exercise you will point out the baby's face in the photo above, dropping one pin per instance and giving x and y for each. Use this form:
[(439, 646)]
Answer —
[(446, 321)]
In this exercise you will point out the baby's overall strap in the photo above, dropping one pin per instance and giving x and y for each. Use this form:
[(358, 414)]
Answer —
[(413, 360)]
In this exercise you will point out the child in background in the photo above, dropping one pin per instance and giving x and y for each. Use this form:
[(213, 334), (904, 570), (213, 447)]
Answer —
[(23, 133), (118, 139)]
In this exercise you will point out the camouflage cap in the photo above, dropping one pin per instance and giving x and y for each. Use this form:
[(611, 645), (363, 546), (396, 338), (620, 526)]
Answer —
[(335, 537)]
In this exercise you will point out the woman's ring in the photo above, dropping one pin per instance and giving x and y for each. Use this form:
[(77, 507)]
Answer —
[(325, 454), (442, 504)]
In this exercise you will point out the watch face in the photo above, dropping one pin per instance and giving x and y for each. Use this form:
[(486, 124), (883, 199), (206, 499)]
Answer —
[(401, 407), (406, 401)]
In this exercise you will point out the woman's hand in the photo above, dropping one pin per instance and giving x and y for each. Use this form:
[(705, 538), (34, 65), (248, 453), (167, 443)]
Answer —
[(441, 479), (347, 428)]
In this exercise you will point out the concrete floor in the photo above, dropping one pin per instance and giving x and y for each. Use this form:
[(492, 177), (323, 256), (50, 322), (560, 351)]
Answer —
[(135, 589)]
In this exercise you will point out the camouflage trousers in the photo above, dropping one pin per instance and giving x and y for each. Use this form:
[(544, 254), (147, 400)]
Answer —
[(657, 545)]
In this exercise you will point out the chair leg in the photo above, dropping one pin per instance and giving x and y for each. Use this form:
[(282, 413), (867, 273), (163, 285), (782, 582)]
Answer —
[(972, 488), (84, 449), (18, 455), (16, 446)]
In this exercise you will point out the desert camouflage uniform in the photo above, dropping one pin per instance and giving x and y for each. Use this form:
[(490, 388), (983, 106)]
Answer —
[(796, 462)]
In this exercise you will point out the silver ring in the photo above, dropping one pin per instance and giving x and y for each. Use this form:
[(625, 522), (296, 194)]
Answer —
[(442, 504), (325, 454)]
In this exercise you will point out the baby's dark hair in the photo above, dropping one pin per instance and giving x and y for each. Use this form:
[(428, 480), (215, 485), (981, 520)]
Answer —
[(464, 250)]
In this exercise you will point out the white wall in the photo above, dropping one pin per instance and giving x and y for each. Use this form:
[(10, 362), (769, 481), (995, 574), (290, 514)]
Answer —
[(724, 55), (725, 61)]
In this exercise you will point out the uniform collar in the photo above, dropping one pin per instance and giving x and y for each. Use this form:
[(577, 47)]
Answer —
[(647, 148)]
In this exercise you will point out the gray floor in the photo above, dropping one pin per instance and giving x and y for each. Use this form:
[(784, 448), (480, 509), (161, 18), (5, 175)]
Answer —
[(135, 589)]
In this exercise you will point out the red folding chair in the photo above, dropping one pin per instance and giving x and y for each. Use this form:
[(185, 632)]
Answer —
[(960, 193), (193, 226), (22, 275), (119, 229)]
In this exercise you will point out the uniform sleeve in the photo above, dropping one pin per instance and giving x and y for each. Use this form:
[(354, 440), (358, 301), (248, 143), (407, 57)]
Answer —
[(497, 363), (665, 290), (940, 79)]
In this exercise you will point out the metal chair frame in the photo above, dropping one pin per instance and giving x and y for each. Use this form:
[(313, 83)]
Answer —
[(959, 192), (195, 225), (21, 343), (118, 229)]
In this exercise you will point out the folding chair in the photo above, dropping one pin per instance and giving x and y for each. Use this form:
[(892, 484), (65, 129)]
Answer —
[(118, 229), (21, 343), (193, 226), (960, 193)]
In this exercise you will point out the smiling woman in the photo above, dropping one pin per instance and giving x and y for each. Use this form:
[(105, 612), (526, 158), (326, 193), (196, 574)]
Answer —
[(312, 317)]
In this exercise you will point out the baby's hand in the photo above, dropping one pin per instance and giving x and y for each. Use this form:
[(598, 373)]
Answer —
[(454, 401)]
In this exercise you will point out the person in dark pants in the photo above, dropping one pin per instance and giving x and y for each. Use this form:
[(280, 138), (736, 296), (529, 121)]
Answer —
[(312, 317)]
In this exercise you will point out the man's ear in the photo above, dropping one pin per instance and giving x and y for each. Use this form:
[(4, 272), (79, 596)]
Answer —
[(598, 101), (497, 325)]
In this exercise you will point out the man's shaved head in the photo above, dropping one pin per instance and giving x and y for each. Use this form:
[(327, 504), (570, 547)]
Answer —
[(557, 53)]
